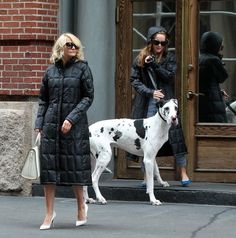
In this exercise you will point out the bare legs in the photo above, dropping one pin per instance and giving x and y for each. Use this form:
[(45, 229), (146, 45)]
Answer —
[(183, 173), (49, 193), (81, 215)]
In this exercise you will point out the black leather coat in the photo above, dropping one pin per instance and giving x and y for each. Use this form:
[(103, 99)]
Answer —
[(66, 93), (211, 74), (164, 75)]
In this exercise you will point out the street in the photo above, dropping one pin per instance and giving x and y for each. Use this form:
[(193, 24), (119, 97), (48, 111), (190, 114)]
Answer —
[(22, 216)]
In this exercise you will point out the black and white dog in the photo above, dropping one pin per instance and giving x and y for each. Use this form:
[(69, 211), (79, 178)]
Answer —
[(141, 137), (231, 111)]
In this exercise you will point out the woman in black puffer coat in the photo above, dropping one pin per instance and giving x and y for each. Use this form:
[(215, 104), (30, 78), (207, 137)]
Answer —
[(155, 60), (211, 74), (65, 96)]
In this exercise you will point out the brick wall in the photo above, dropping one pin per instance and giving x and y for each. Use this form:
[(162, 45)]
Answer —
[(27, 32)]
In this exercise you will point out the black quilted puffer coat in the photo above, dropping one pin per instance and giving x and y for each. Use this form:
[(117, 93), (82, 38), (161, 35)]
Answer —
[(164, 75), (66, 93), (211, 74)]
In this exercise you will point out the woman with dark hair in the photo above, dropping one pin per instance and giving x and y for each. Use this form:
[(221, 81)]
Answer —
[(212, 73), (152, 77)]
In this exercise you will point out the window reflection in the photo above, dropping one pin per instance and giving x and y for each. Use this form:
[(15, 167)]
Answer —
[(159, 13), (220, 16)]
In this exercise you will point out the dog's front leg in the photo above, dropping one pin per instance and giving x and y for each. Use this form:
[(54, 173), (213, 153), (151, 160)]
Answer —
[(158, 176), (149, 169)]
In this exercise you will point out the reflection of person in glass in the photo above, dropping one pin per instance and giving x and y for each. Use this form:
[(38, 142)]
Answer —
[(211, 74)]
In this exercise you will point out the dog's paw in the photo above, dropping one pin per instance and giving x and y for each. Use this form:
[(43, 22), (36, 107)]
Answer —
[(156, 202), (90, 201), (102, 200), (165, 184)]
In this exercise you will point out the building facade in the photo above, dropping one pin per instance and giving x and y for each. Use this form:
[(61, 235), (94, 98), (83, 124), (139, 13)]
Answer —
[(112, 33)]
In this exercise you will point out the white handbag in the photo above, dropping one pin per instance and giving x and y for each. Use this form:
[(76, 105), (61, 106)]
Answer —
[(31, 168)]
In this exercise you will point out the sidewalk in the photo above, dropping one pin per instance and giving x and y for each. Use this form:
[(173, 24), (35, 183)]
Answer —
[(128, 190), (22, 217)]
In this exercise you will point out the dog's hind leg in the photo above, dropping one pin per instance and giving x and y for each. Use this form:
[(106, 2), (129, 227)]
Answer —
[(149, 169), (85, 188), (158, 175), (103, 159), (87, 199)]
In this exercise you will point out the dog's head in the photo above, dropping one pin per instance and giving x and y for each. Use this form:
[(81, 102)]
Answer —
[(168, 110)]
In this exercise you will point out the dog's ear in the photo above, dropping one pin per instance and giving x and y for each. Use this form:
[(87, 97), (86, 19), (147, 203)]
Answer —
[(160, 103), (175, 101)]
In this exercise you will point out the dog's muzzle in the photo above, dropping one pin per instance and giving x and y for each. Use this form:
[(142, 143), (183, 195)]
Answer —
[(174, 120)]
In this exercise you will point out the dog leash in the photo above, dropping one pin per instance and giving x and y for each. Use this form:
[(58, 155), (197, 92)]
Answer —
[(230, 108), (155, 87)]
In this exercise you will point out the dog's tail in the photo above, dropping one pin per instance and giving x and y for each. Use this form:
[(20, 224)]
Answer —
[(108, 170), (93, 163)]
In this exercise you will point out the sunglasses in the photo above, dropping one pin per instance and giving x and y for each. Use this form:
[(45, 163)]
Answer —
[(157, 42), (71, 45)]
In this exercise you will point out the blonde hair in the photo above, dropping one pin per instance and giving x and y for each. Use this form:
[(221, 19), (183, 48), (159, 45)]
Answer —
[(57, 50)]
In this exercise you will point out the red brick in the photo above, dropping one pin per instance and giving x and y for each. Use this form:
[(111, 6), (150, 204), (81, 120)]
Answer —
[(13, 12), (34, 24), (5, 92)]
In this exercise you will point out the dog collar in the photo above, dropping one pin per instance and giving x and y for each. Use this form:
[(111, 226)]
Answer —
[(161, 115)]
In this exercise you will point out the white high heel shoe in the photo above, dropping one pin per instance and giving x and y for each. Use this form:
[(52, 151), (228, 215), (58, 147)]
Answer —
[(82, 222), (46, 227)]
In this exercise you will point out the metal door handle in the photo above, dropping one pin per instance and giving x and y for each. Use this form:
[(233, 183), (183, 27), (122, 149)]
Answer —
[(191, 94)]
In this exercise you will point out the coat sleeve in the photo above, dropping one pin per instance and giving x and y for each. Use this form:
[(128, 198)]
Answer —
[(137, 82), (87, 92), (165, 71), (43, 103), (218, 70)]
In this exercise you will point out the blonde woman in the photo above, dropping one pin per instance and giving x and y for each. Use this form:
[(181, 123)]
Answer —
[(65, 96), (152, 77)]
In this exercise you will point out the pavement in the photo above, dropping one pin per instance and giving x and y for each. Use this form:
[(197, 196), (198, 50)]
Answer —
[(129, 190), (22, 216)]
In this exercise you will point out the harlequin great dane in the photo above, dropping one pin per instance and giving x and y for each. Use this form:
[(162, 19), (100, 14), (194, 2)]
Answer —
[(141, 137)]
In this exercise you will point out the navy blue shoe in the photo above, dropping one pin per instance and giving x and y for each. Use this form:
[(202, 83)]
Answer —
[(186, 183)]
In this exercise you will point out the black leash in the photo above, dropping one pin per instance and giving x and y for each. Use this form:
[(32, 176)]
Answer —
[(155, 87)]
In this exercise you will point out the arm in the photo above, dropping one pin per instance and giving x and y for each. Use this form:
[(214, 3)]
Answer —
[(137, 83), (87, 92), (43, 104), (165, 70), (218, 70)]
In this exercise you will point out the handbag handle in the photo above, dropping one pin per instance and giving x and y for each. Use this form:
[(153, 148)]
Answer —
[(37, 140)]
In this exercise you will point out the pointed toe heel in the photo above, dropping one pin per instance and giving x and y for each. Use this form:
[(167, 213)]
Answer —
[(83, 222), (50, 225)]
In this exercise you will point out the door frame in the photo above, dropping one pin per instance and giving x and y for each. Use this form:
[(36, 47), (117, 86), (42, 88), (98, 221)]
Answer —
[(187, 35)]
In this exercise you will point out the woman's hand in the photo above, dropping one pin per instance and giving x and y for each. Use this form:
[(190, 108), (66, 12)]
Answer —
[(149, 59), (38, 130), (225, 94), (158, 94), (66, 126)]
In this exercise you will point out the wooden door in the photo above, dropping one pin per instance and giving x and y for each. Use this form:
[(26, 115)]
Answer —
[(212, 146), (133, 20)]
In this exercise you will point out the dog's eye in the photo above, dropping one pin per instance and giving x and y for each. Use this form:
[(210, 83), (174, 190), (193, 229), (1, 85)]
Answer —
[(176, 108)]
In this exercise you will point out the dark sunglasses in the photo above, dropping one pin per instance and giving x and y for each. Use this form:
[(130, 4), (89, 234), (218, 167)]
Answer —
[(71, 45), (157, 42)]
